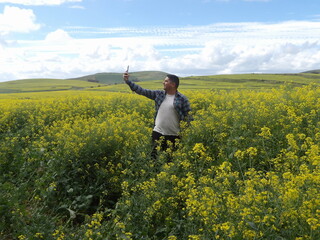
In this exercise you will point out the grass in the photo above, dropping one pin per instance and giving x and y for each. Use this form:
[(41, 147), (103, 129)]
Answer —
[(76, 165), (225, 82), (228, 82), (39, 85), (116, 78)]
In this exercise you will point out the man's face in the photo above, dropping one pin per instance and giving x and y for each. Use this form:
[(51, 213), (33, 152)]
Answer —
[(167, 84)]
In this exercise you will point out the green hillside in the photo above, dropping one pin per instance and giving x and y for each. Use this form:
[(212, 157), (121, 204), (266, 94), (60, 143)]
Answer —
[(316, 71), (251, 81), (153, 80), (115, 78), (40, 85), (232, 81), (85, 82)]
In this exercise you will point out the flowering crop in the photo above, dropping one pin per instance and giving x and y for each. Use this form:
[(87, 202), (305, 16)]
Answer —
[(78, 166)]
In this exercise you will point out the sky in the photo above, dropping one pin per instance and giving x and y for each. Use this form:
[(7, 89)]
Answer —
[(71, 38)]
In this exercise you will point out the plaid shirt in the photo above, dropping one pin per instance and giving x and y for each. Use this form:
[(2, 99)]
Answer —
[(181, 103)]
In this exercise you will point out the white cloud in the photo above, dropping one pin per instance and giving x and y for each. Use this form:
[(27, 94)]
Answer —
[(296, 31), (284, 47), (14, 19), (78, 7), (38, 2), (275, 58), (58, 36)]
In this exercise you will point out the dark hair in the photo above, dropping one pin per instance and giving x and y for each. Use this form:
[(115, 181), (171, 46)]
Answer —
[(174, 79)]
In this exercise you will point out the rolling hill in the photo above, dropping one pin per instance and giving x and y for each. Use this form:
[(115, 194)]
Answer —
[(40, 85), (116, 78), (151, 79), (316, 71), (85, 82)]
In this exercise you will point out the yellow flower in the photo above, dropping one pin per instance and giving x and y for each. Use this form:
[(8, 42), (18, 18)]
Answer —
[(199, 149), (38, 235), (265, 133), (314, 223), (239, 154), (88, 233), (252, 151), (194, 237), (172, 237), (58, 234)]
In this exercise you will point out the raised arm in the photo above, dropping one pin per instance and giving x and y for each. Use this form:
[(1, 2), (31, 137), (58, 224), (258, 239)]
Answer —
[(139, 90)]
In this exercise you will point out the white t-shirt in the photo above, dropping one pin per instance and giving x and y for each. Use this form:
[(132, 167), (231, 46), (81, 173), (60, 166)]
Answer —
[(167, 120)]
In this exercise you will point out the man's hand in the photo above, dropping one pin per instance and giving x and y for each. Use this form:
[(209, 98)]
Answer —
[(126, 76)]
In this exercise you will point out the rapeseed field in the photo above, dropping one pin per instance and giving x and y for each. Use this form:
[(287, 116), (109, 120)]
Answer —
[(78, 166)]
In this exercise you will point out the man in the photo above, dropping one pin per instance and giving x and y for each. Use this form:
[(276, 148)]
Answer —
[(171, 108)]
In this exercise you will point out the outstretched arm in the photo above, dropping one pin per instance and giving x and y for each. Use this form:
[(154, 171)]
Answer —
[(136, 88)]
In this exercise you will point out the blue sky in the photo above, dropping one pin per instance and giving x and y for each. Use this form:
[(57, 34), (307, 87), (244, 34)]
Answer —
[(70, 38)]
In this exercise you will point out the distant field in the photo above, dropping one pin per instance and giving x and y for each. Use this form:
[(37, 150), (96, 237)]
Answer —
[(116, 78), (40, 85), (254, 81), (234, 81), (227, 82)]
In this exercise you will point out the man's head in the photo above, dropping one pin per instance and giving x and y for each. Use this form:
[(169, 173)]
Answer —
[(174, 79), (171, 83)]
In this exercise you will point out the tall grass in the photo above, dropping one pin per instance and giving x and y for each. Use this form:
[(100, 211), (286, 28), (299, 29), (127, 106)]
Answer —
[(79, 167)]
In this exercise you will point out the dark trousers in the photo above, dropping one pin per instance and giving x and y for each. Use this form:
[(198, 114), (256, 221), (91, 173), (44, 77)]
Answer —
[(164, 142)]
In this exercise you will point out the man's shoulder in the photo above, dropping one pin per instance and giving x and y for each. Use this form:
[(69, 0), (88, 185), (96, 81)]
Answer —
[(180, 95), (160, 92)]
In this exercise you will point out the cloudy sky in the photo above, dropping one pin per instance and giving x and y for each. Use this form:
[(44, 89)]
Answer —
[(71, 38)]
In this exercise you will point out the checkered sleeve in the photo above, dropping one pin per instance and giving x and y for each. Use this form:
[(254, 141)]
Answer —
[(183, 108), (186, 109), (152, 94)]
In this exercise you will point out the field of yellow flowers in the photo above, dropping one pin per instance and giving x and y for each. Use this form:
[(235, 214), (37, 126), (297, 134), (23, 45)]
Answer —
[(77, 166)]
